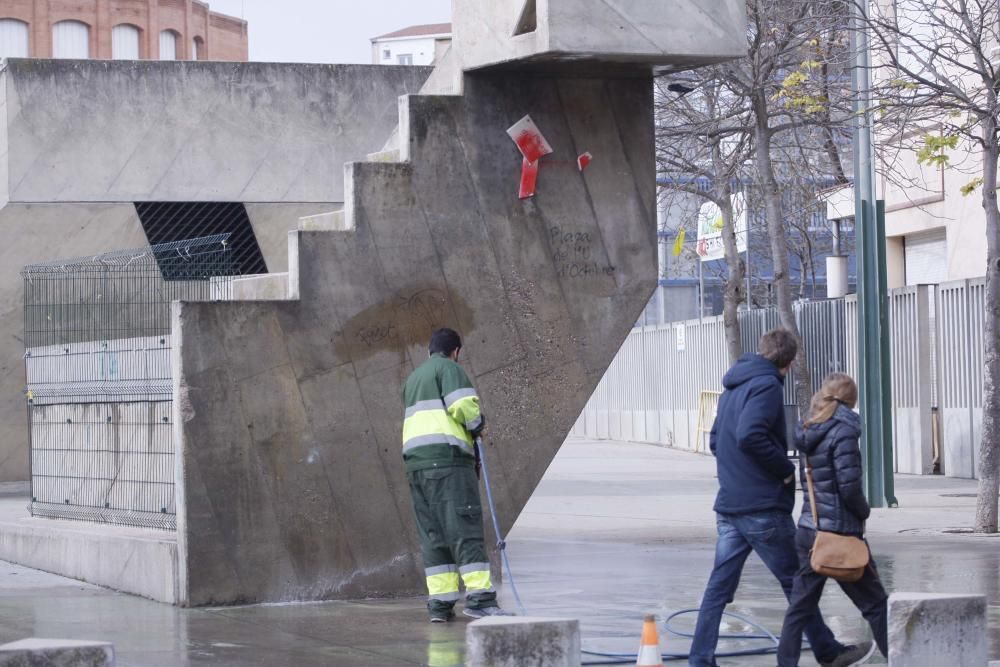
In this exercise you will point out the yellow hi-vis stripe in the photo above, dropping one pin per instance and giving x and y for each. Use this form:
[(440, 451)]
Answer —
[(443, 586), (465, 411), (477, 580), (435, 422)]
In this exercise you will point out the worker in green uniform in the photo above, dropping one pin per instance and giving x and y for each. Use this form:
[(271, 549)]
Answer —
[(442, 420)]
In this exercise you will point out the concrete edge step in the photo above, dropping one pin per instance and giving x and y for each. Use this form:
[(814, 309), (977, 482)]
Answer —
[(139, 561), (384, 156), (260, 287), (333, 221)]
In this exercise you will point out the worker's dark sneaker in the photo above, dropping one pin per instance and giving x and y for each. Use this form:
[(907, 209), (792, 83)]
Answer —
[(442, 616), (483, 612), (852, 655)]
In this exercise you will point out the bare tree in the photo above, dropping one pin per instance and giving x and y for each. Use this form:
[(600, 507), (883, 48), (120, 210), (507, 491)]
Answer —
[(783, 37), (702, 133), (774, 122), (936, 72)]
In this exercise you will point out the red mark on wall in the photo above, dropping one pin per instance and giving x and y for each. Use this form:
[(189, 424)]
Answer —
[(529, 139), (529, 177), (584, 160)]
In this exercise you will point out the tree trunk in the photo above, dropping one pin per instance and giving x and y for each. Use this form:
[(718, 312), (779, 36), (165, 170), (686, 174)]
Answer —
[(779, 244), (802, 276), (733, 294), (989, 449)]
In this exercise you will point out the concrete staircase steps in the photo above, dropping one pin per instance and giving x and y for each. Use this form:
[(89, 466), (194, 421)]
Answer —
[(390, 162), (385, 156)]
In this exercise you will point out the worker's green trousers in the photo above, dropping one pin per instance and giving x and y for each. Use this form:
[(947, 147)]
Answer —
[(450, 525)]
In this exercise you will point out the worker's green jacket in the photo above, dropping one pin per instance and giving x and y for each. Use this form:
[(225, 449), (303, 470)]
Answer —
[(442, 413)]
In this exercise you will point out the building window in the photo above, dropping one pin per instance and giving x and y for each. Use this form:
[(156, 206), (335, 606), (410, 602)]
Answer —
[(405, 59), (13, 38), (168, 45), (125, 42), (70, 39), (386, 54), (197, 48)]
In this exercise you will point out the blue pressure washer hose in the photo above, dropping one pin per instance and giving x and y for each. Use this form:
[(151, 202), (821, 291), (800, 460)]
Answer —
[(620, 658), (501, 542)]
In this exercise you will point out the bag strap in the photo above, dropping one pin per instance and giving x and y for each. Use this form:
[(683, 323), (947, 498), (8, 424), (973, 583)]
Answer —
[(812, 491)]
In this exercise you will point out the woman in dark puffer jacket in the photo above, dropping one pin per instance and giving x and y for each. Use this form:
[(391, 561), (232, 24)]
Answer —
[(829, 438)]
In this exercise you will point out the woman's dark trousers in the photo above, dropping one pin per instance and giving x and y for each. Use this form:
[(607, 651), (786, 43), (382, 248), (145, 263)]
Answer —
[(867, 594)]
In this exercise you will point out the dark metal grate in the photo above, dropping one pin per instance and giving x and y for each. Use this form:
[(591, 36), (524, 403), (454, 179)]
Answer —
[(99, 384), (169, 222)]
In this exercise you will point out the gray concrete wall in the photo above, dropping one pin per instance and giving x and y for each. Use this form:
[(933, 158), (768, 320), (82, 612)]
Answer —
[(81, 140), (41, 232), (100, 131), (288, 414)]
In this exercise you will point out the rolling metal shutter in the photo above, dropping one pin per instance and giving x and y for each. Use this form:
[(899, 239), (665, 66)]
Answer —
[(926, 257)]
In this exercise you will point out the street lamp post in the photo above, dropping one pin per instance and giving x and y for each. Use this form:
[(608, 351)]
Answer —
[(875, 397)]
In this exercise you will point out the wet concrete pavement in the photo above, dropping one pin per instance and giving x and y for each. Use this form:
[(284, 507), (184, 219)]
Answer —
[(614, 531)]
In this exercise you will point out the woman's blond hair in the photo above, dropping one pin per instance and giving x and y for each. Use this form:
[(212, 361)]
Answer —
[(837, 388)]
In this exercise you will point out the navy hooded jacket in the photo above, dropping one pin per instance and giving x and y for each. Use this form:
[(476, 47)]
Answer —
[(749, 441), (833, 452)]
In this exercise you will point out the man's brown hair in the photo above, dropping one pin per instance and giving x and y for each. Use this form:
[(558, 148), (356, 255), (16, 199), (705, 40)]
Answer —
[(779, 346)]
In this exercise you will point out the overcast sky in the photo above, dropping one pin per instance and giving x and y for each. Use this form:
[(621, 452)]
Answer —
[(326, 31)]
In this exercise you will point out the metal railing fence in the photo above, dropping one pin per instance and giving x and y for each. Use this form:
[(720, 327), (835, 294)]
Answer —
[(99, 388), (937, 364)]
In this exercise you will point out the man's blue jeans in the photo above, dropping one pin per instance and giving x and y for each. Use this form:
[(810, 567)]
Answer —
[(771, 535)]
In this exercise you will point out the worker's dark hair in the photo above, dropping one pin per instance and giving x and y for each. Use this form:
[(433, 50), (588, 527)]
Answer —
[(779, 346), (445, 341)]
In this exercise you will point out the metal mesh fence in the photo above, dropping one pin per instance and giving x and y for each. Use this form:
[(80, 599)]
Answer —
[(99, 388)]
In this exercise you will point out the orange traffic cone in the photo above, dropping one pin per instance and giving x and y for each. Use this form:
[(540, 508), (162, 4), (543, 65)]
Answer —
[(649, 645)]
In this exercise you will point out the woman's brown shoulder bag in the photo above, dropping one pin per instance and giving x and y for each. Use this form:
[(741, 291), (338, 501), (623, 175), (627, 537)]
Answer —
[(840, 557)]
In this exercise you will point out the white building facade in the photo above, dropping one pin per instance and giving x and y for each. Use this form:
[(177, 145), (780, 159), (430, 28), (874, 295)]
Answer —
[(415, 45)]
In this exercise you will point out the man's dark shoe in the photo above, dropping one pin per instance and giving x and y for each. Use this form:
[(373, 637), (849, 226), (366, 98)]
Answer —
[(442, 616), (852, 655), (483, 612)]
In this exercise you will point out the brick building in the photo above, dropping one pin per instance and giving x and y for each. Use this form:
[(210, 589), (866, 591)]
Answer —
[(120, 30)]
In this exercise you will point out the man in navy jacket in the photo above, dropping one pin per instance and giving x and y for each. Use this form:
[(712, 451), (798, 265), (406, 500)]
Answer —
[(756, 495)]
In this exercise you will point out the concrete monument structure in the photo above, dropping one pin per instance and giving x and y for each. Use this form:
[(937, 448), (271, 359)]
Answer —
[(287, 410), (288, 414)]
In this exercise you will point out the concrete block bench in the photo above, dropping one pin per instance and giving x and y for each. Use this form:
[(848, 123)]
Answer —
[(931, 630), (36, 652), (523, 641)]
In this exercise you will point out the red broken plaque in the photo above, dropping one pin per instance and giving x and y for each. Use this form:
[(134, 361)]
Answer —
[(529, 139), (533, 146), (529, 177)]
